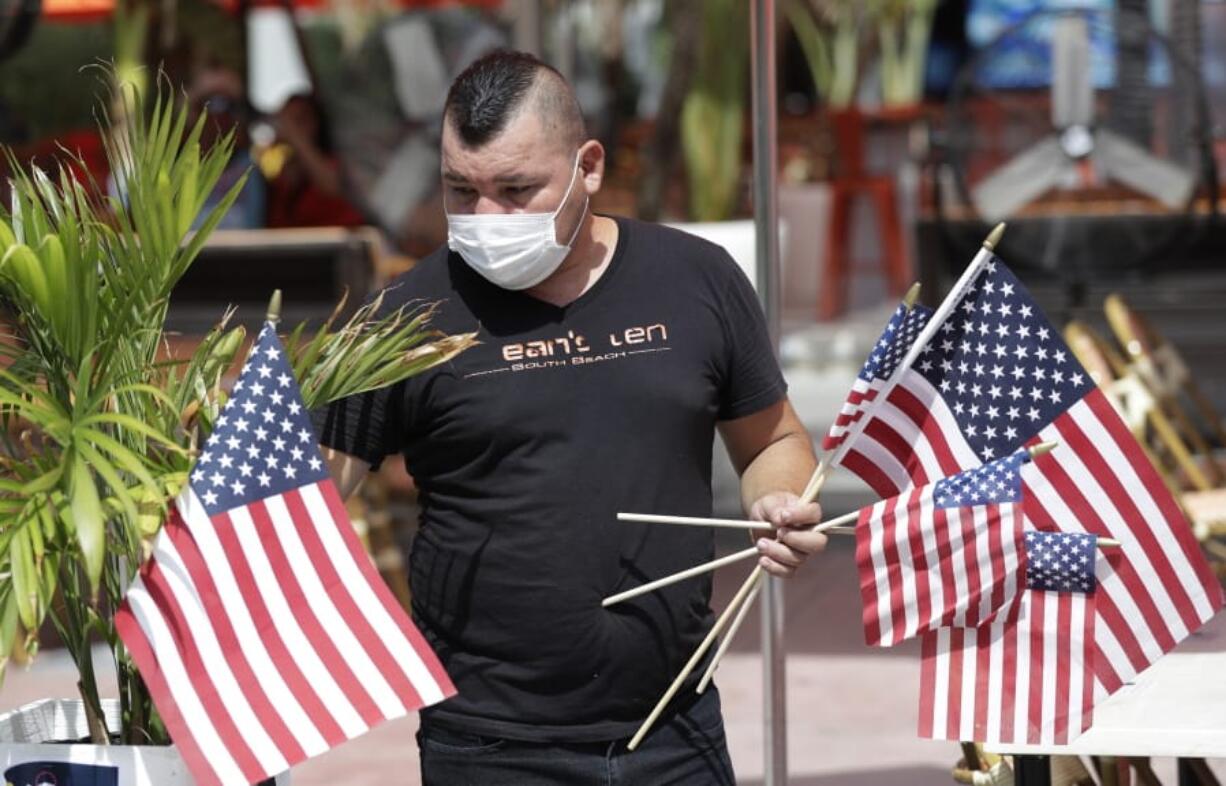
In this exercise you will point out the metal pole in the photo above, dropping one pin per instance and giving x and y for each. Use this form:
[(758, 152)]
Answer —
[(765, 196), (766, 222)]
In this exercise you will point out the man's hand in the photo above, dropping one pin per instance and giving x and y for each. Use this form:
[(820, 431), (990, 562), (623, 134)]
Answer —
[(773, 453), (787, 546)]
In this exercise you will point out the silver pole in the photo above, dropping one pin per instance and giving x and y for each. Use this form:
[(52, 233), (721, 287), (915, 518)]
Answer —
[(765, 196), (766, 221)]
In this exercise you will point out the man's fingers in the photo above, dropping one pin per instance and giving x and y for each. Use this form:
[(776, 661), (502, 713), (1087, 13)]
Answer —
[(802, 540), (774, 568), (780, 553), (795, 514)]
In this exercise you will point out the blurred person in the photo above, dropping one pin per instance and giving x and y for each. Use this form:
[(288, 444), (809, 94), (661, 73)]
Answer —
[(389, 94), (218, 91), (307, 191), (611, 353)]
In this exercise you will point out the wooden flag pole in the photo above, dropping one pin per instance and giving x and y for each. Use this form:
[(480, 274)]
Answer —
[(698, 521), (729, 635), (741, 594), (812, 489), (1034, 451), (839, 526), (715, 563)]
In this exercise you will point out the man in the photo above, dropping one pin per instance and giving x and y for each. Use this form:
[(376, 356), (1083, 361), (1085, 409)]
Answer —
[(611, 352)]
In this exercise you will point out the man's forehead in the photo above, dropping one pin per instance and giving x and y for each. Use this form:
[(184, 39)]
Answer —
[(520, 146)]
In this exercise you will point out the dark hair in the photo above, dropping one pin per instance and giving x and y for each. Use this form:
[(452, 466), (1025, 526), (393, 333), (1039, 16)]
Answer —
[(487, 94)]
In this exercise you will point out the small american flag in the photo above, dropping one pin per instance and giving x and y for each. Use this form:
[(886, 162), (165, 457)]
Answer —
[(943, 554), (1027, 678), (259, 624), (989, 375), (891, 347)]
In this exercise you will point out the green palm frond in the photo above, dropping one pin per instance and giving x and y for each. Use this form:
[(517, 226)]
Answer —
[(371, 350)]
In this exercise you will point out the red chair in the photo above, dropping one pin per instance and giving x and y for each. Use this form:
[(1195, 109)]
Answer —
[(850, 181)]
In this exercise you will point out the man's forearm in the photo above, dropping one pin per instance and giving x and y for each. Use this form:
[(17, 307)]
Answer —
[(784, 465)]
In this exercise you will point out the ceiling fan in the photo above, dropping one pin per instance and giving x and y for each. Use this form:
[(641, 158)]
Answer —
[(1076, 136), (1087, 129)]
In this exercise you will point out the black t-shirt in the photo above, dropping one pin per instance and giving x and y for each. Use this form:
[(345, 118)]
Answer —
[(524, 449)]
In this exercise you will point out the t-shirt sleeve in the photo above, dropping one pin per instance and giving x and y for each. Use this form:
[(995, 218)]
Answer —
[(752, 379), (368, 426)]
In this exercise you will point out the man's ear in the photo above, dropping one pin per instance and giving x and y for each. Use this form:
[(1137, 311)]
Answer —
[(591, 165)]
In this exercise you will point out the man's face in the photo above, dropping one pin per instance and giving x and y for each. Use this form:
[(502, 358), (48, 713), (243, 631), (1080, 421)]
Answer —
[(522, 170)]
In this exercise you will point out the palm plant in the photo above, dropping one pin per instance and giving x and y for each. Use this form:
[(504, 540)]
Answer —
[(903, 30), (834, 36), (713, 114), (98, 426), (829, 34)]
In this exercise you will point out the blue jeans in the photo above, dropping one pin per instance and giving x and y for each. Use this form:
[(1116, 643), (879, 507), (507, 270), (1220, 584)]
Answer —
[(686, 749)]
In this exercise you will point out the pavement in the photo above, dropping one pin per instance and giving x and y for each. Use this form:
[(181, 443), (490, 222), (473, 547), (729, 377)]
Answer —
[(851, 711)]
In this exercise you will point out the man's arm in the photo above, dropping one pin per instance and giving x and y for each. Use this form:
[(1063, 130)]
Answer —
[(347, 471), (774, 456)]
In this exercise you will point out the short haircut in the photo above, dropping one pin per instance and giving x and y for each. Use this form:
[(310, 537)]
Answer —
[(495, 88)]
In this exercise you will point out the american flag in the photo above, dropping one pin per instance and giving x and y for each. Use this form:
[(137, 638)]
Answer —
[(942, 554), (259, 624), (899, 334), (1027, 678), (992, 375)]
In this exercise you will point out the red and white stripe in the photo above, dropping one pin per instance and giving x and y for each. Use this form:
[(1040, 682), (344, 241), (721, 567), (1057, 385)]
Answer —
[(910, 439), (1152, 591), (266, 636), (862, 394), (1157, 587), (1024, 679), (922, 566)]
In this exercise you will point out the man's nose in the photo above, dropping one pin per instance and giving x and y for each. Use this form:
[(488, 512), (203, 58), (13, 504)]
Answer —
[(489, 206)]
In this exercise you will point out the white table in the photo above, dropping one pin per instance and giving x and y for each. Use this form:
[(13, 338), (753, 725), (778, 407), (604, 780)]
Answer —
[(1176, 708)]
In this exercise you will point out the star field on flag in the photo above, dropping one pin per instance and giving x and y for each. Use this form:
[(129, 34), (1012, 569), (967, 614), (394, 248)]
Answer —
[(262, 443), (897, 337), (1060, 561)]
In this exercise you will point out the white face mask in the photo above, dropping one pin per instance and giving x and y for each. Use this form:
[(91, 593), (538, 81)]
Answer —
[(512, 250)]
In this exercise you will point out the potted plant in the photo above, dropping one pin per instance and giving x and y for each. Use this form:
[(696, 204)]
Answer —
[(712, 129), (713, 113), (99, 426), (904, 28), (829, 36)]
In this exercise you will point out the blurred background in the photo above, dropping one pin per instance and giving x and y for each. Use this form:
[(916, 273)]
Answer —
[(907, 128)]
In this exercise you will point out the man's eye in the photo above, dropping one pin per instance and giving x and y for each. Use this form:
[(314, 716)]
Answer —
[(518, 190), (463, 193)]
